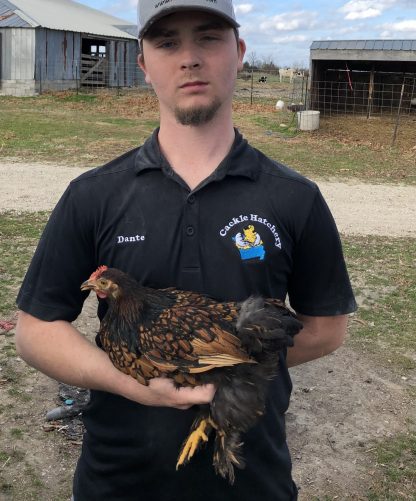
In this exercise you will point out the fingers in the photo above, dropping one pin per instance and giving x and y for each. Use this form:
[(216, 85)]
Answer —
[(164, 393), (197, 395)]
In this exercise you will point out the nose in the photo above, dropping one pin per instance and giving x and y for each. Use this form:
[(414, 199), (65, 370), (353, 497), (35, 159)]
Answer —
[(191, 65), (190, 57)]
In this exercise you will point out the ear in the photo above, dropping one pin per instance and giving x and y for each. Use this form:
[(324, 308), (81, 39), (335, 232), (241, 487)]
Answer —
[(241, 52), (142, 66)]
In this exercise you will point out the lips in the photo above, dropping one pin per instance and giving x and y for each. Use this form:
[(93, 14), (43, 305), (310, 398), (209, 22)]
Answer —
[(196, 84)]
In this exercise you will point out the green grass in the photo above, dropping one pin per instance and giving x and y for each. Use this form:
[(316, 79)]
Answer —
[(396, 469), (16, 433), (80, 98), (19, 234), (70, 130), (284, 127), (383, 273)]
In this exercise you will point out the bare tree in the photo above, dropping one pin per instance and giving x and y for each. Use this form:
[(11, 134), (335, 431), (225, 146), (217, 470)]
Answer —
[(253, 60), (268, 64)]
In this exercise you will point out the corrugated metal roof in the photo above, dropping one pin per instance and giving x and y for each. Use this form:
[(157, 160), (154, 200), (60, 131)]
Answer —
[(10, 19), (364, 45), (8, 16), (65, 15)]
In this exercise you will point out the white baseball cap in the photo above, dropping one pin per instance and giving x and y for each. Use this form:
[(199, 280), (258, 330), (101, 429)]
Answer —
[(149, 11)]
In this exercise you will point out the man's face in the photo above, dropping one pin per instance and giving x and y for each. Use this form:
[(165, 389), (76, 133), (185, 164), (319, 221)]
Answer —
[(191, 60)]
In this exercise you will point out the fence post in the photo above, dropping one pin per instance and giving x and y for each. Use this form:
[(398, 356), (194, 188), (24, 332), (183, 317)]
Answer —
[(370, 94), (252, 86), (77, 76), (307, 97), (396, 128)]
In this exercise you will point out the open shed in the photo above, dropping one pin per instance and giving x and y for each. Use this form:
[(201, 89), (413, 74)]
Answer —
[(372, 76), (61, 44)]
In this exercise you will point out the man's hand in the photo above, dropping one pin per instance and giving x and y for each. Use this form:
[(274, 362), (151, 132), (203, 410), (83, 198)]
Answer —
[(162, 392)]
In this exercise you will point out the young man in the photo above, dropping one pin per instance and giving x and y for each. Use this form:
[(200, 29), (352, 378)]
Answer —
[(207, 213)]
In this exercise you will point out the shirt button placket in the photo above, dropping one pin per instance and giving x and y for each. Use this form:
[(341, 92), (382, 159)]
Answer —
[(190, 265)]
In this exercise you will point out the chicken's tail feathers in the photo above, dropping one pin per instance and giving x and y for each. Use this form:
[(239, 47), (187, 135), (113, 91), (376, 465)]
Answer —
[(266, 325)]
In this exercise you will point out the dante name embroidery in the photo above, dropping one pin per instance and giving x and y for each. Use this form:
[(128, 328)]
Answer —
[(124, 239)]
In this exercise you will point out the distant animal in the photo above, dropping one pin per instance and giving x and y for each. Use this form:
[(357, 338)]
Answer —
[(196, 340), (263, 79), (290, 73)]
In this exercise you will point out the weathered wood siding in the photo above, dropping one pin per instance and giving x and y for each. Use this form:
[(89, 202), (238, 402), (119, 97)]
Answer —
[(57, 55), (122, 64), (17, 53)]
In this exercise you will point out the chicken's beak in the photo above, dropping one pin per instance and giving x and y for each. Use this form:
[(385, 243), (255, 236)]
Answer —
[(88, 285)]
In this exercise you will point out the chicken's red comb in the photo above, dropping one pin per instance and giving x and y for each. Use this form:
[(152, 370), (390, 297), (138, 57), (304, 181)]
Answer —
[(97, 272)]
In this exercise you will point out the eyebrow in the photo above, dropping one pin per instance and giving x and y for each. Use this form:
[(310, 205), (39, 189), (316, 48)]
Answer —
[(157, 32)]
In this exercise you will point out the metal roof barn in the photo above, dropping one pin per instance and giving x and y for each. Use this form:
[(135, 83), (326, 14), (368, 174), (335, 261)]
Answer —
[(61, 44), (363, 75)]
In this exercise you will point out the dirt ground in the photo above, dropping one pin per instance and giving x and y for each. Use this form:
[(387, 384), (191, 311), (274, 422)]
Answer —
[(340, 403)]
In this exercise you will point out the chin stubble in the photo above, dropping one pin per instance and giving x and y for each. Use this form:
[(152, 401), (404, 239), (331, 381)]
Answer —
[(198, 115)]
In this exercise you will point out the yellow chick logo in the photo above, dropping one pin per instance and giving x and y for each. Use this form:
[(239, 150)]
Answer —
[(249, 243)]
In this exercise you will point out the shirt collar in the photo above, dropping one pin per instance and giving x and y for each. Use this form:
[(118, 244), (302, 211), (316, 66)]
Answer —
[(242, 159)]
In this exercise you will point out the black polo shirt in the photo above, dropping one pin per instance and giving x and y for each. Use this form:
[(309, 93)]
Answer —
[(254, 226)]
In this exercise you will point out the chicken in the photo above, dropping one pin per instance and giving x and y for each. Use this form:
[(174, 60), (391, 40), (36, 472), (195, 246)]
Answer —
[(196, 340)]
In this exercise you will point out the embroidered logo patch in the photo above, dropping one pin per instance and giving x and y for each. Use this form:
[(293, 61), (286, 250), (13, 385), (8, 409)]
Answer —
[(248, 240), (249, 244)]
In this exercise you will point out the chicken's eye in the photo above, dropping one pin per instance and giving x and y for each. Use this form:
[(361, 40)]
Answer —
[(103, 282)]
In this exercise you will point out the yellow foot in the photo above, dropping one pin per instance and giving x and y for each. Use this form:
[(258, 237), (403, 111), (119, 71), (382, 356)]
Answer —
[(193, 441)]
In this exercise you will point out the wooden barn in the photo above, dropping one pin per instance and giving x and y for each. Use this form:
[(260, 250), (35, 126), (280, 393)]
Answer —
[(363, 76), (61, 44)]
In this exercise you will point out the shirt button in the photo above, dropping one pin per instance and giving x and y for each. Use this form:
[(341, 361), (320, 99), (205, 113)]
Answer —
[(190, 231), (191, 199)]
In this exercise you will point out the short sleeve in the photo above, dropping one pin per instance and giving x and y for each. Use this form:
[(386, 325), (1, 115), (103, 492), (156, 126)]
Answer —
[(319, 284), (63, 259)]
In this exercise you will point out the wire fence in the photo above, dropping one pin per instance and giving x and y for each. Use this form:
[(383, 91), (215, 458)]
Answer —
[(310, 100), (334, 98), (90, 74), (262, 86)]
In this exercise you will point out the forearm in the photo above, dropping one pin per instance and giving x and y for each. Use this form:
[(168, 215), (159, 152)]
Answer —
[(60, 351), (319, 337)]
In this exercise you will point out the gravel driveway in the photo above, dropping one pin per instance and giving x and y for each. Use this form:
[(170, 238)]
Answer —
[(359, 208)]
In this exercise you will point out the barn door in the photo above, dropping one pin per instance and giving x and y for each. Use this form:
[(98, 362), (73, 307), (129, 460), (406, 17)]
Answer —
[(94, 62)]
